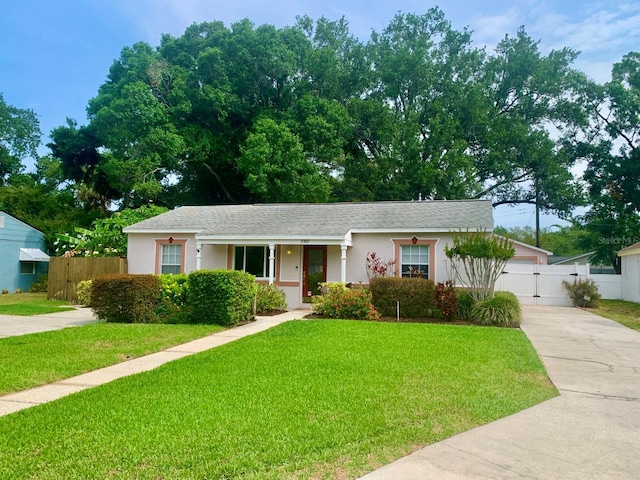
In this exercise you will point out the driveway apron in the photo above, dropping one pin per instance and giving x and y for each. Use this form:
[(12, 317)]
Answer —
[(591, 431), (12, 325)]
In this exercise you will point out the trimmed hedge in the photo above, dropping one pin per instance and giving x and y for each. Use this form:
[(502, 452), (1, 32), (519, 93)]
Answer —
[(503, 310), (416, 296), (270, 298), (224, 297), (125, 298)]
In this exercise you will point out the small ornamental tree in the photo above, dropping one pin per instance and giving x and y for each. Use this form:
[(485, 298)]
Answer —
[(477, 260), (376, 267)]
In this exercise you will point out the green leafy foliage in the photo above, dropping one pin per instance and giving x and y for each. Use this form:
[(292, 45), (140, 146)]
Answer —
[(223, 297), (19, 137), (83, 292), (477, 260), (173, 306), (446, 299), (416, 296), (276, 167), (338, 301), (39, 285), (503, 310), (124, 298), (270, 298), (465, 304), (105, 238), (583, 293)]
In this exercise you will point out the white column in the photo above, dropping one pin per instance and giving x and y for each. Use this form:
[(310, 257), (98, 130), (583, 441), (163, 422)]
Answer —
[(272, 262), (198, 256), (343, 263)]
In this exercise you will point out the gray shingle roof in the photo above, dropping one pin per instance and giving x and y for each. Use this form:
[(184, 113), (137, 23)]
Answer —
[(321, 220)]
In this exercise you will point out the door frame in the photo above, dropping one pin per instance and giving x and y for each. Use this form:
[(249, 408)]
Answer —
[(305, 268)]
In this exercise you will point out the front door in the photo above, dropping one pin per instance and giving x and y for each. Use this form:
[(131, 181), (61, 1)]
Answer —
[(314, 269)]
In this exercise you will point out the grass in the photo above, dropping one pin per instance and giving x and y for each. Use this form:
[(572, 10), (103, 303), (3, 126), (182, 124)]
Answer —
[(626, 313), (27, 304), (28, 361), (306, 399)]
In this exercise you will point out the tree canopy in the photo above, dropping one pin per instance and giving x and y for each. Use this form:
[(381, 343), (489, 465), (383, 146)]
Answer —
[(310, 113)]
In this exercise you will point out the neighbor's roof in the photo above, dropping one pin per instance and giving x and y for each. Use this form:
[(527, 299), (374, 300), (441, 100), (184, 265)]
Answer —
[(631, 250), (321, 219)]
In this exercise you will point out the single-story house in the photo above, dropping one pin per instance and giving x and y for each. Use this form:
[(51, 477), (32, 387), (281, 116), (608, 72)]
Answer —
[(22, 253), (528, 254), (297, 246), (630, 259)]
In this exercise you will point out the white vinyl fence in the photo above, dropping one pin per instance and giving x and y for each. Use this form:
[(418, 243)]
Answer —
[(542, 284)]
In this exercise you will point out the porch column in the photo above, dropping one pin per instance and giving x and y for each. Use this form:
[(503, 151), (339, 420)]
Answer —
[(272, 262), (198, 256), (343, 263)]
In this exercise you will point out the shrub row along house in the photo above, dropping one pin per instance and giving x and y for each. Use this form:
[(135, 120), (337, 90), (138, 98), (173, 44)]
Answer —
[(298, 246)]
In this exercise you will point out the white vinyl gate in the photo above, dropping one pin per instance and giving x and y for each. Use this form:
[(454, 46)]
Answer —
[(540, 284)]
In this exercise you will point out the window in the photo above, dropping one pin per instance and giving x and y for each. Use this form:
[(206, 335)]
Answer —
[(251, 259), (414, 258), (28, 268), (171, 259)]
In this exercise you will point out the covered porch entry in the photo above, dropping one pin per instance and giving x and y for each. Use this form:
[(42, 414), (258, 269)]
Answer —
[(297, 268)]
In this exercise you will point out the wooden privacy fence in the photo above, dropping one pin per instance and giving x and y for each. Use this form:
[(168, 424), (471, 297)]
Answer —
[(66, 272)]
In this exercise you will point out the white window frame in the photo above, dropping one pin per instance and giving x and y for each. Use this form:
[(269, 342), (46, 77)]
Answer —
[(426, 274), (171, 256)]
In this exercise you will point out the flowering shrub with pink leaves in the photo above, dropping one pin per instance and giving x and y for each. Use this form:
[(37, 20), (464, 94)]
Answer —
[(377, 267)]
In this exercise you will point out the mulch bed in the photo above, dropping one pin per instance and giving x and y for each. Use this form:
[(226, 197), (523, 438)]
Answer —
[(407, 320)]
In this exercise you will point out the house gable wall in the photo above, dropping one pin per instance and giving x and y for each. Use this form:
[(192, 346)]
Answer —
[(15, 235), (144, 251)]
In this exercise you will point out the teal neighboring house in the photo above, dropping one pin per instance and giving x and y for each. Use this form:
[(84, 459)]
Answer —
[(22, 256)]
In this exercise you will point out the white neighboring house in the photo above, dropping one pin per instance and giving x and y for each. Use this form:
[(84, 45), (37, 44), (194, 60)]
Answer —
[(295, 246), (630, 259)]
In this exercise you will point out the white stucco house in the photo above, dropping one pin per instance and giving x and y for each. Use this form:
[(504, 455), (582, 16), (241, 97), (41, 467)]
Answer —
[(630, 260), (295, 246)]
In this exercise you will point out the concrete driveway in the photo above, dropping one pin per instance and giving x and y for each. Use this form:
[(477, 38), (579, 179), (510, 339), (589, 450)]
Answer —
[(11, 325), (591, 431)]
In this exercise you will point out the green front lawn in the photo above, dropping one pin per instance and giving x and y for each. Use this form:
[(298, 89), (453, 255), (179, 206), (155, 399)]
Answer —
[(27, 304), (306, 399), (28, 361), (626, 313)]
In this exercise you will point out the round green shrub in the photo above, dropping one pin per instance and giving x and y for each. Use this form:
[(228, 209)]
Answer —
[(270, 298), (83, 292), (338, 301), (583, 293), (503, 310)]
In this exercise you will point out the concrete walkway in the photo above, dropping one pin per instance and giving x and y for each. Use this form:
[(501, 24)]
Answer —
[(12, 325), (591, 431), (47, 393)]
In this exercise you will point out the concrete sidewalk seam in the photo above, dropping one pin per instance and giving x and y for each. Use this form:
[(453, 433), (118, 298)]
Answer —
[(601, 395)]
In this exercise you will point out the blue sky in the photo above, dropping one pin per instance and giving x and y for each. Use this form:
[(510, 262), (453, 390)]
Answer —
[(54, 54)]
